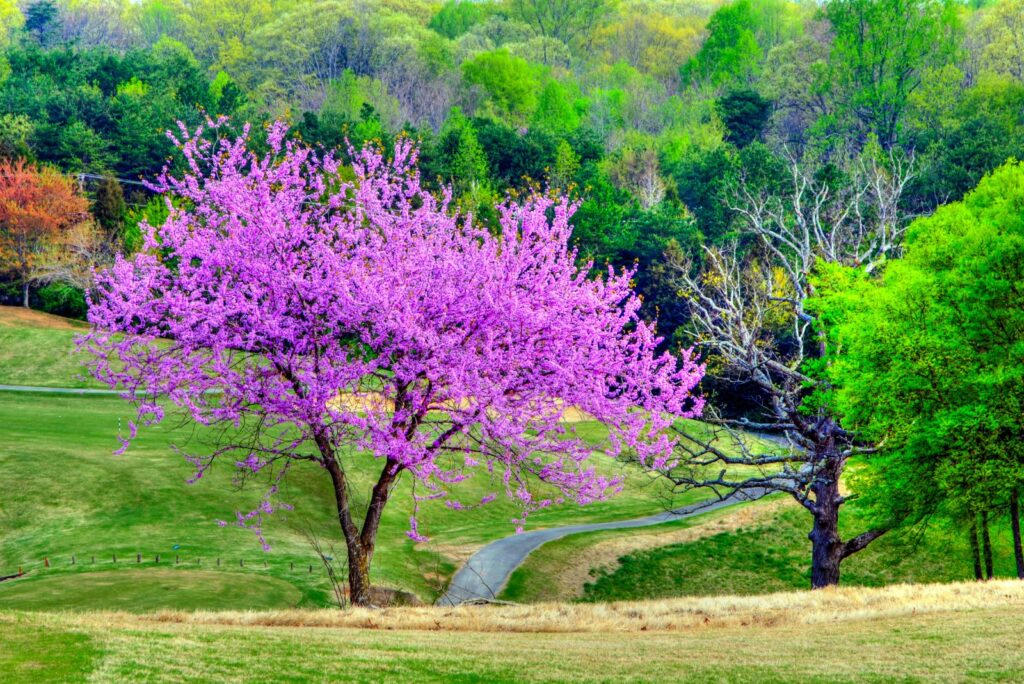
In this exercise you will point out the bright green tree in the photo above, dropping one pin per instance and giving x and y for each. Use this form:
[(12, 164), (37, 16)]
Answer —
[(881, 50), (510, 83), (930, 363)]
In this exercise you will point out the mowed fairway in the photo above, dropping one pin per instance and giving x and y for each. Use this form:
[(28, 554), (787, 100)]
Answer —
[(38, 349), (68, 498), (74, 498), (925, 633)]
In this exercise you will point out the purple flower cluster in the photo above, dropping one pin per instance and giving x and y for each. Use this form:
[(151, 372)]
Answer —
[(276, 291)]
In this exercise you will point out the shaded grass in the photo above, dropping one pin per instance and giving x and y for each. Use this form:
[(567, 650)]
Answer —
[(152, 588), (32, 652)]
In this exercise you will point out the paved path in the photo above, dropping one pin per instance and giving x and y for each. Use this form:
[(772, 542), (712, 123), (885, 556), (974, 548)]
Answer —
[(56, 390), (484, 575)]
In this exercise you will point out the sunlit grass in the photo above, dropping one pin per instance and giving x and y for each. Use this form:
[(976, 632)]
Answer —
[(904, 633)]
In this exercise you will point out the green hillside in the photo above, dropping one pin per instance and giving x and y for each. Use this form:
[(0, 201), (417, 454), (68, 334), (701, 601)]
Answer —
[(68, 495), (768, 552)]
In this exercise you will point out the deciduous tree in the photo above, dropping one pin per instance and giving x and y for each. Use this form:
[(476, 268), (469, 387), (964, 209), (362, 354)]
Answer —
[(314, 322), (750, 312), (36, 205)]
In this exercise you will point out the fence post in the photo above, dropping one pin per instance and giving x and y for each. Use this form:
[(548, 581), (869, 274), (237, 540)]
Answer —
[(72, 559), (46, 561)]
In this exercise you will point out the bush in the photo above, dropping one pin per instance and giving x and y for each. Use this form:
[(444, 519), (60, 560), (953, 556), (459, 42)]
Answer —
[(62, 300)]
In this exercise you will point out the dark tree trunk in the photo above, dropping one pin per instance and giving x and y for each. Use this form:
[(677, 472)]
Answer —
[(826, 545), (1018, 551), (358, 574), (975, 549), (986, 545), (360, 543)]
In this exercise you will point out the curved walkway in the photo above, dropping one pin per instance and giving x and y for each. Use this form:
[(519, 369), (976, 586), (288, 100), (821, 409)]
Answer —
[(56, 390), (487, 571)]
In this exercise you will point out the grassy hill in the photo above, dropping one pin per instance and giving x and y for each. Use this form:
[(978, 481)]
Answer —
[(933, 633), (66, 496), (759, 548), (38, 349)]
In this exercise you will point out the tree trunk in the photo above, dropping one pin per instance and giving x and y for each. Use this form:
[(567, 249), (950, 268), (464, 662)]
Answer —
[(826, 546), (24, 294), (1018, 551), (975, 550), (360, 543), (358, 575), (986, 545)]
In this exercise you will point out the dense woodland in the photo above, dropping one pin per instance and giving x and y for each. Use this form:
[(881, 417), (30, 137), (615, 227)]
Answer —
[(762, 163)]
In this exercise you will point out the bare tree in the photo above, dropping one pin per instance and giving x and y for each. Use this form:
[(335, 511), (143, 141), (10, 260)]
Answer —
[(73, 257), (750, 315)]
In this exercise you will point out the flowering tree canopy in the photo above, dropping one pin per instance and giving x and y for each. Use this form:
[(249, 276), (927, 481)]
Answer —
[(312, 317)]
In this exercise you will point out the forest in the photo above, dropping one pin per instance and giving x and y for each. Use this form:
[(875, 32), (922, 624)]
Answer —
[(821, 197)]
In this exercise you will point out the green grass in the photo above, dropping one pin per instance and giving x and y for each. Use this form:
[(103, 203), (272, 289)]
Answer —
[(977, 645), (66, 494), (38, 349), (772, 555), (153, 588), (532, 581), (30, 652)]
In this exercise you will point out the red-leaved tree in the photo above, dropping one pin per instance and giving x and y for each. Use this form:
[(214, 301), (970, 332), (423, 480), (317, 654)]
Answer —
[(310, 319), (36, 205)]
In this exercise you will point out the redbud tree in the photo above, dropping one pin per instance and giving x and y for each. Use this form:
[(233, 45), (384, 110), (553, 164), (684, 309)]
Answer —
[(309, 318)]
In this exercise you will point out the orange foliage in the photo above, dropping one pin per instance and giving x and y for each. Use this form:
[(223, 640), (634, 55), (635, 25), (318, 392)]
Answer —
[(36, 205)]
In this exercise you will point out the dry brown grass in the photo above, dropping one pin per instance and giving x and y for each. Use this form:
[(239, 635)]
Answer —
[(17, 316), (842, 604)]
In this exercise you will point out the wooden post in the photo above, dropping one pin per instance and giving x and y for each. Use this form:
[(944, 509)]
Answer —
[(138, 558), (241, 562), (46, 561), (72, 559), (157, 558), (115, 557)]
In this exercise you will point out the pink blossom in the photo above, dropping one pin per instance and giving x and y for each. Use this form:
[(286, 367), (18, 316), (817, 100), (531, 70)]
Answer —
[(274, 289)]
